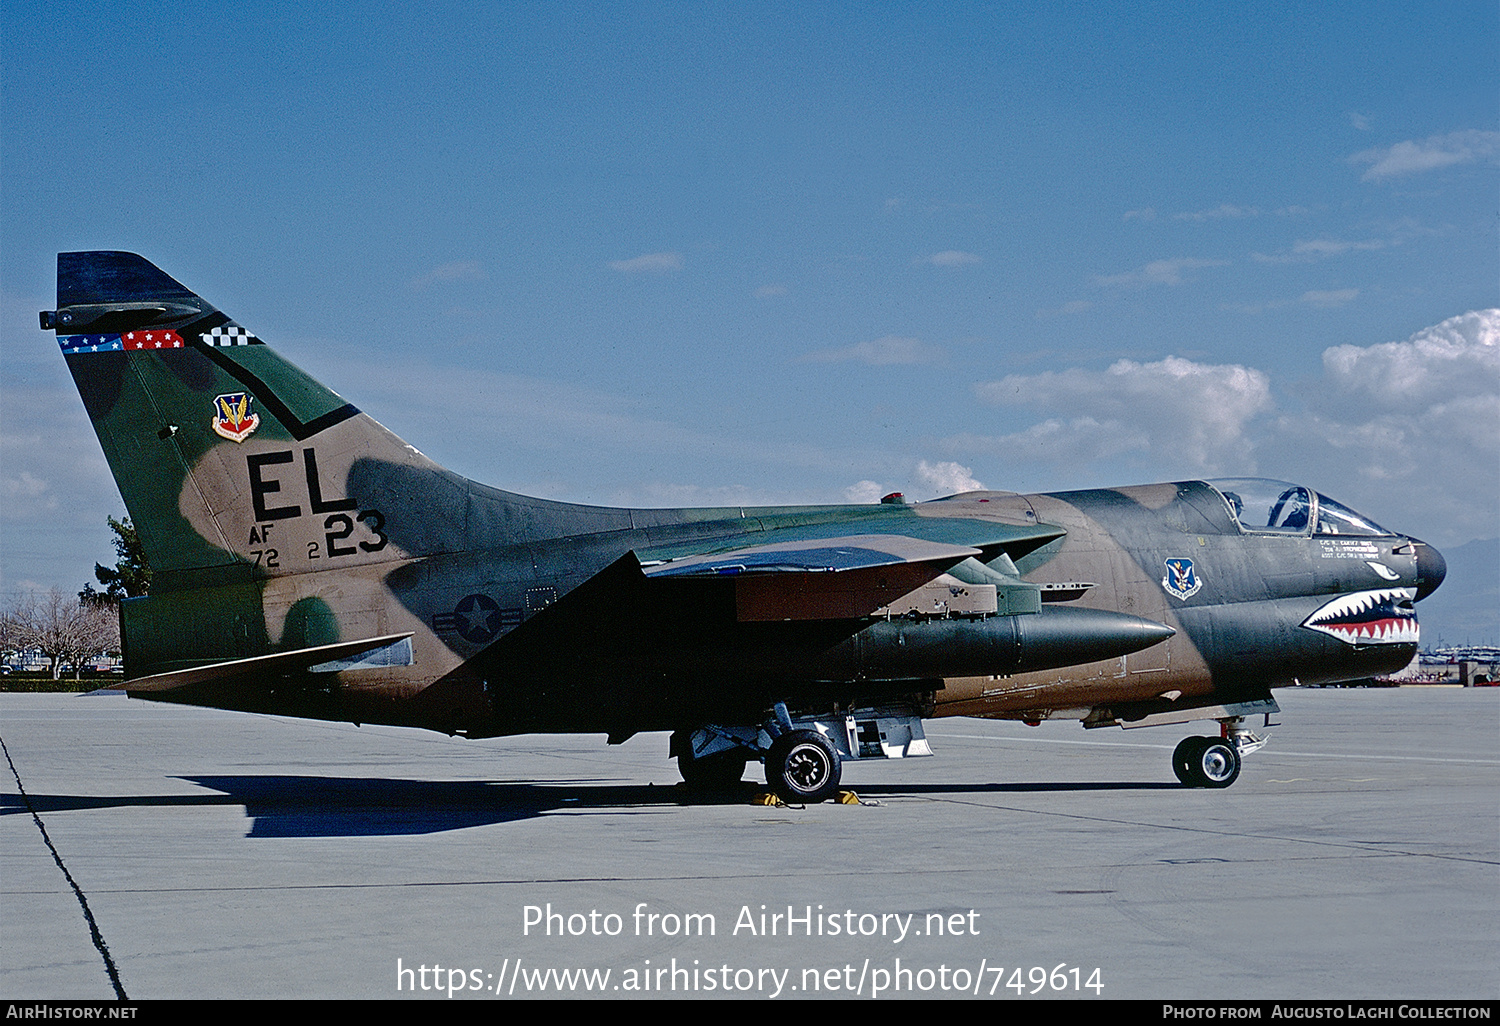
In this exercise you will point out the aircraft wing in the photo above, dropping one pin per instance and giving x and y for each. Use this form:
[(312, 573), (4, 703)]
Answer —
[(814, 555), (806, 573), (821, 578), (898, 534)]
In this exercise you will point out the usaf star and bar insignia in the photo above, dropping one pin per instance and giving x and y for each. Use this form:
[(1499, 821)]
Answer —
[(476, 619)]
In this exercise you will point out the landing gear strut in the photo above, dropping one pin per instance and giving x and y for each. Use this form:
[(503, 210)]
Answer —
[(713, 773)]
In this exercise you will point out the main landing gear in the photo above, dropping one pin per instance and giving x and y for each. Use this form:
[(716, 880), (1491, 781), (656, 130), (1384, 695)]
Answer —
[(804, 754), (1214, 761), (803, 767)]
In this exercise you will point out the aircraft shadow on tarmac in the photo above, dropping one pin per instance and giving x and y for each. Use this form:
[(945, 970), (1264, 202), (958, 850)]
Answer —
[(307, 806)]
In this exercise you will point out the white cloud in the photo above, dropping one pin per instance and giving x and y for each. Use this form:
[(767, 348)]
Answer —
[(947, 478), (1334, 247), (1398, 233), (1455, 359), (55, 488), (1158, 272), (1194, 414), (458, 270), (1405, 431), (1333, 298), (25, 486), (1071, 443), (1411, 157), (1219, 213), (951, 258), (648, 263), (890, 349), (864, 491), (668, 495), (1075, 307), (1307, 250)]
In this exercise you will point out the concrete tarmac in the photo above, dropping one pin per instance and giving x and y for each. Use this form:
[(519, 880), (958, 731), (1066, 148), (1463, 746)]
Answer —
[(231, 855)]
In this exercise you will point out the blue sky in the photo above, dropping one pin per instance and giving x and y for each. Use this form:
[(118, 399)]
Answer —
[(702, 254)]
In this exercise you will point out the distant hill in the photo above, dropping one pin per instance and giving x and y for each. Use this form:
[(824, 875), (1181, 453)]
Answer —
[(1466, 609)]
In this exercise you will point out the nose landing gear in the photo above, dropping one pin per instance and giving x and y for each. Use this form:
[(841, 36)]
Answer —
[(1206, 762), (1214, 761)]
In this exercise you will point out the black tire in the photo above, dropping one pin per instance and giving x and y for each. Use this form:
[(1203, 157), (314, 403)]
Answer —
[(803, 767), (1217, 763), (714, 773), (1185, 758)]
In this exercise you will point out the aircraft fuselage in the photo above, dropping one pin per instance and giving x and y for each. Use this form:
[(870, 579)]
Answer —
[(306, 561)]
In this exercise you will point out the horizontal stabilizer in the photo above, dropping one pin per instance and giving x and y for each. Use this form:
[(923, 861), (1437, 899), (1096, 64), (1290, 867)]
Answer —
[(275, 664)]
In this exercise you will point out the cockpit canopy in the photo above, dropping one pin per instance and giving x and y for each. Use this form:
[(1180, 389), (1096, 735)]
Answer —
[(1278, 507)]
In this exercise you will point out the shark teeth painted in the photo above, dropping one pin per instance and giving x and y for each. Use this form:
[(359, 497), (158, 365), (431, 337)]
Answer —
[(1380, 617)]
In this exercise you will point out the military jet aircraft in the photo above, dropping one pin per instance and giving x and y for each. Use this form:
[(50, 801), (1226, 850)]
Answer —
[(309, 562)]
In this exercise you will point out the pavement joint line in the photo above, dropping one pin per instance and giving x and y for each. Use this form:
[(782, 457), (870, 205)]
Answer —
[(1140, 744), (1373, 849), (943, 871), (98, 938)]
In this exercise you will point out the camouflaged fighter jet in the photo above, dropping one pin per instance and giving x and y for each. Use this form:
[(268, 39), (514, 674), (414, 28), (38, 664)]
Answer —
[(308, 562)]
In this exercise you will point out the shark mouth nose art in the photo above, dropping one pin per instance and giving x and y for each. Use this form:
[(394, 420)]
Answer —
[(1380, 617)]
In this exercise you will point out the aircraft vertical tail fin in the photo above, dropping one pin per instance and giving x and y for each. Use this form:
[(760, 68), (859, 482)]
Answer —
[(233, 462)]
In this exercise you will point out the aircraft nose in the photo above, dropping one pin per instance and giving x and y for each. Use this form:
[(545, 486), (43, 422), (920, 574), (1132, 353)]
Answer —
[(1431, 569)]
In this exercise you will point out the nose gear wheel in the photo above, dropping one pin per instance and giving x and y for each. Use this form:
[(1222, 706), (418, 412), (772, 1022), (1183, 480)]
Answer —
[(1206, 762)]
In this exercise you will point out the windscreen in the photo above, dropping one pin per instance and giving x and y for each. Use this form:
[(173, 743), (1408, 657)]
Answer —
[(1336, 518)]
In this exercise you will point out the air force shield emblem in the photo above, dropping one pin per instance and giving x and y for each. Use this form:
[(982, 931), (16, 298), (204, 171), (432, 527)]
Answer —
[(232, 417), (1181, 580)]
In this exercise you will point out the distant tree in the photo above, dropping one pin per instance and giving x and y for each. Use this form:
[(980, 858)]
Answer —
[(65, 630), (88, 596), (10, 634), (131, 574)]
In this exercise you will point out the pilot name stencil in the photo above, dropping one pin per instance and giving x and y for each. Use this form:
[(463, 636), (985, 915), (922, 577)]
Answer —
[(1347, 548)]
